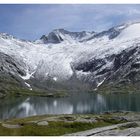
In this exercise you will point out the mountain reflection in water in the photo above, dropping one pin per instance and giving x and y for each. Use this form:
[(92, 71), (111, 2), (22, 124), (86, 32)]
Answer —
[(77, 103)]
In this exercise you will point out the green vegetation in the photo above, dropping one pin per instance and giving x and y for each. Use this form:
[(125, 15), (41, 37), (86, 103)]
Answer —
[(26, 92), (120, 88), (11, 86), (53, 129), (57, 125), (19, 91)]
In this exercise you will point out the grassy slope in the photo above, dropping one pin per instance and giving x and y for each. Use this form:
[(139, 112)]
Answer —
[(58, 125), (120, 88)]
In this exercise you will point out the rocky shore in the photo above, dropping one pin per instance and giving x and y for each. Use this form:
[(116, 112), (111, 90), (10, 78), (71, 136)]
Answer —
[(107, 124)]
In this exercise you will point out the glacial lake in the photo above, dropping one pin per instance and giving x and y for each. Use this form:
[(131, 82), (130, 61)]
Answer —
[(78, 103)]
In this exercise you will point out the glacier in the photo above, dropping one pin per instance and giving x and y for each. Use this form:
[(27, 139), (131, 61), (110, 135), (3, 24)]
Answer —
[(62, 54)]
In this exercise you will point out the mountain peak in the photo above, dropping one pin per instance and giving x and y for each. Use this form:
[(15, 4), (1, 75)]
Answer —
[(59, 35), (6, 36), (59, 30)]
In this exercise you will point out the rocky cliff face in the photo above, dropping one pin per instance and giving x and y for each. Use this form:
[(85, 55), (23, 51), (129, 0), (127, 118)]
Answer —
[(10, 70)]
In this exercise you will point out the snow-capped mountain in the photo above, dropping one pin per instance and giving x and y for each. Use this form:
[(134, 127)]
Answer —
[(73, 59), (60, 35)]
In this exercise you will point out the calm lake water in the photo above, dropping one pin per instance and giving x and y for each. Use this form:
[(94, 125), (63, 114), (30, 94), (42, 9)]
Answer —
[(77, 103)]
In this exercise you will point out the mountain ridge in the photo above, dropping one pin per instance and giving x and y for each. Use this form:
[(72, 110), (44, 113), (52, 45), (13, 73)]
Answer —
[(74, 60)]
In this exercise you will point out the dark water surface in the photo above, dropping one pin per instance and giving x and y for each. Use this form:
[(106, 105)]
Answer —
[(77, 103)]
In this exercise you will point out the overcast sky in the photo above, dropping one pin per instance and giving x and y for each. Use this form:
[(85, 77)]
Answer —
[(32, 21)]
